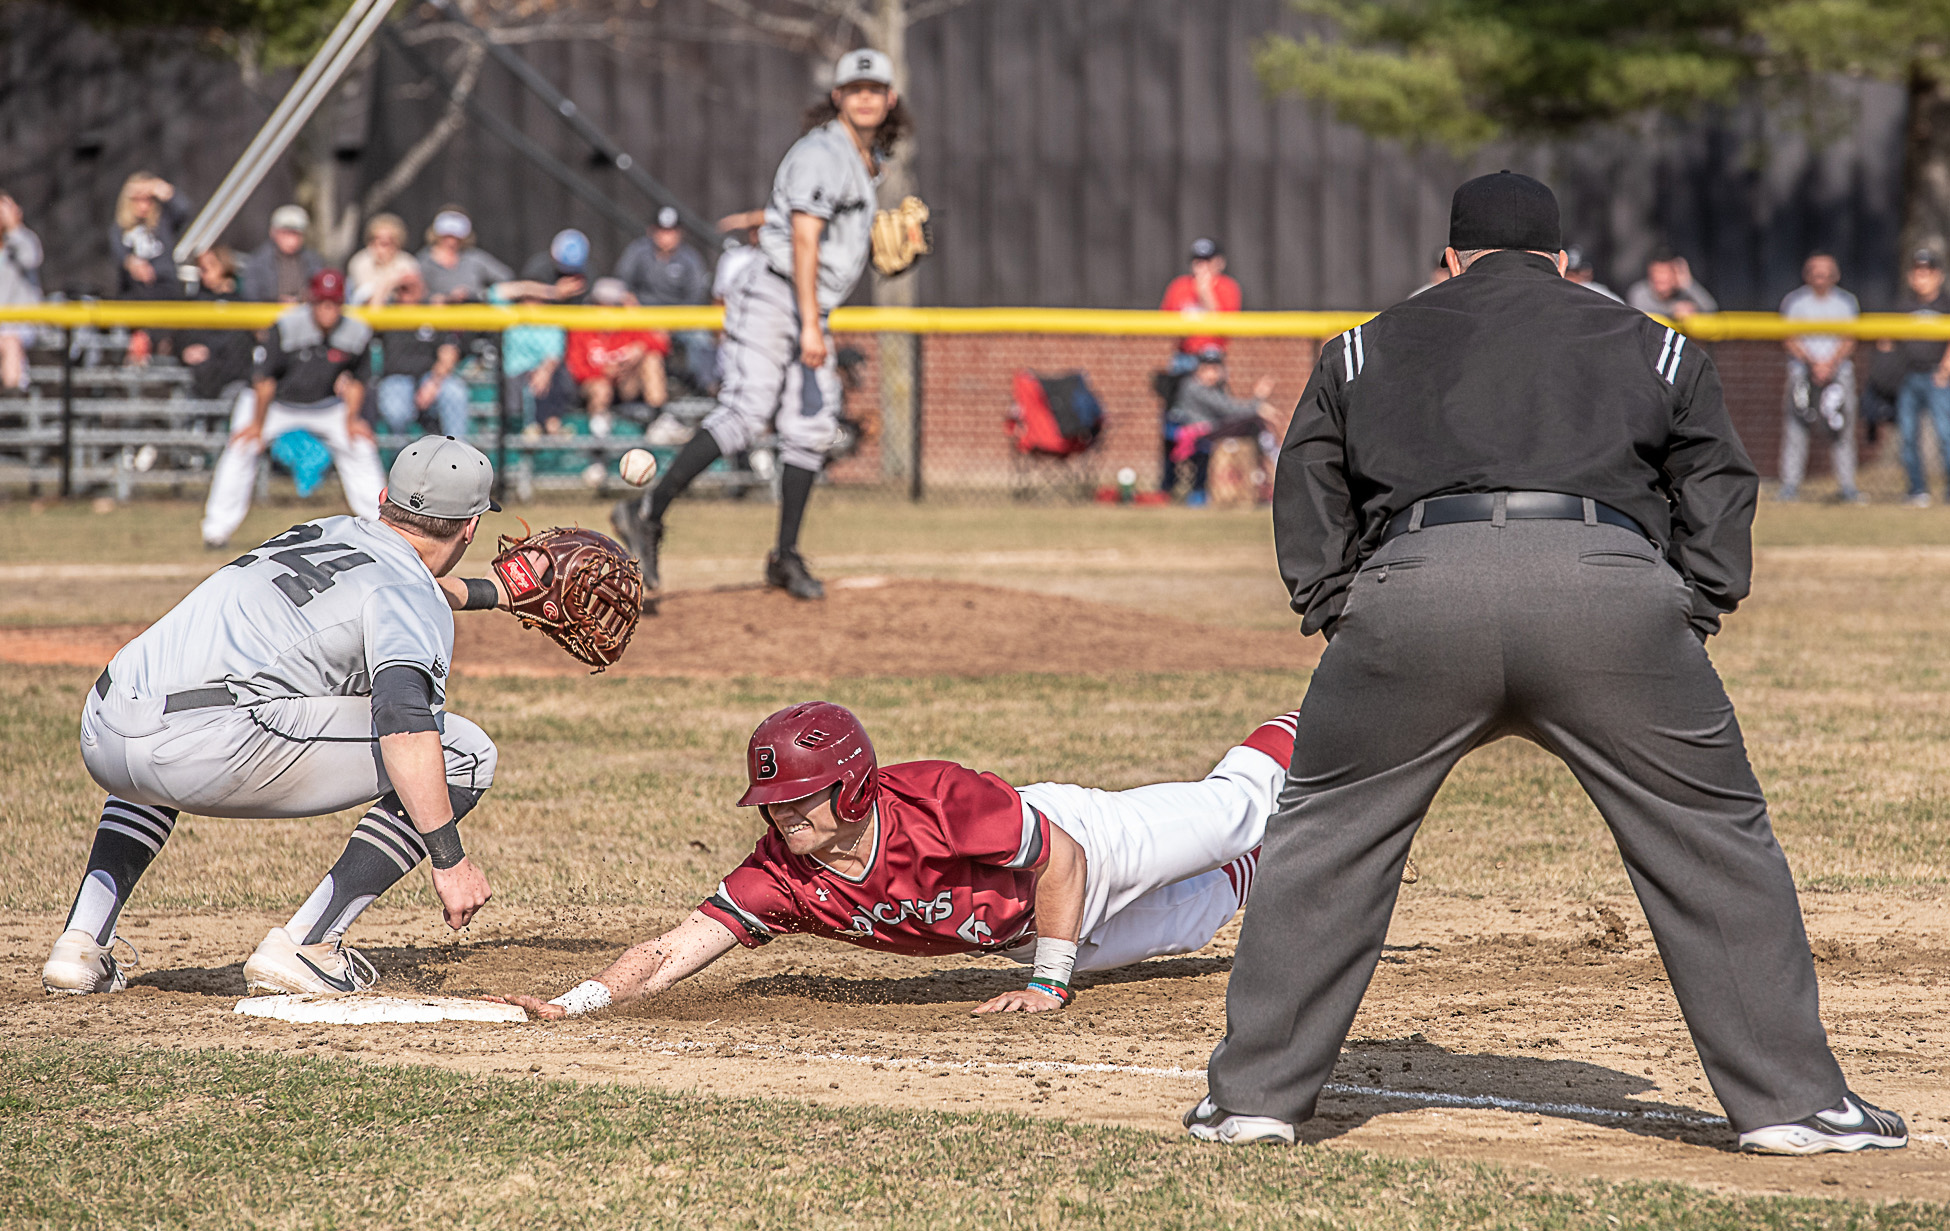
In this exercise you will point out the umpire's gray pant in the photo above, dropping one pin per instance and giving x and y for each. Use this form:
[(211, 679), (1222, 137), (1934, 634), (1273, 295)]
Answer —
[(1576, 637)]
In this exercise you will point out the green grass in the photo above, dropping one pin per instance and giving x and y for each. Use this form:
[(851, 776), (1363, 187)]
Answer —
[(149, 1138)]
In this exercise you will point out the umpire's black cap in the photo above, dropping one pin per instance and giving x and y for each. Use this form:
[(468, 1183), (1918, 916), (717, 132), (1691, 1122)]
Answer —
[(1505, 210)]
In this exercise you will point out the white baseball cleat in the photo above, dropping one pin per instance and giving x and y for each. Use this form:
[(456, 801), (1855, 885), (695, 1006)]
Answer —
[(283, 965), (1210, 1122), (78, 965), (1855, 1125)]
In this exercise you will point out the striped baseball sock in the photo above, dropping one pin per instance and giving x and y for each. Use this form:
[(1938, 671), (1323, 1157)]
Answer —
[(383, 848), (1241, 872), (128, 838), (1275, 736)]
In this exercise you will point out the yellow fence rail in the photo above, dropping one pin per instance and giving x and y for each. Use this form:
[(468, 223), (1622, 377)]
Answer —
[(165, 314)]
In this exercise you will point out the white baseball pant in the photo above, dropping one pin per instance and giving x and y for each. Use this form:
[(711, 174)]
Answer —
[(301, 756), (765, 387), (231, 484), (1166, 865)]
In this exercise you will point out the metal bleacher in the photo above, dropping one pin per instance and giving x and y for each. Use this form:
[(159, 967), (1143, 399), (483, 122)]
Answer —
[(124, 428)]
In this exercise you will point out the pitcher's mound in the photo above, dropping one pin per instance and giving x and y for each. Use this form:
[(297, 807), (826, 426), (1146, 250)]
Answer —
[(886, 626), (866, 626)]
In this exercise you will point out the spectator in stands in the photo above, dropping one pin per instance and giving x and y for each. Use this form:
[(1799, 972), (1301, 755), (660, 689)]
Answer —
[(661, 270), (531, 362), (1668, 289), (282, 267), (373, 269), (1205, 412), (1205, 290), (564, 268), (219, 360), (417, 368), (20, 283), (149, 216), (1926, 378), (1821, 378), (617, 366), (1577, 267), (455, 270), (1437, 275)]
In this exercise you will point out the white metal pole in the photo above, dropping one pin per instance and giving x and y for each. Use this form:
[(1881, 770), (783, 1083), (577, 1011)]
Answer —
[(347, 39)]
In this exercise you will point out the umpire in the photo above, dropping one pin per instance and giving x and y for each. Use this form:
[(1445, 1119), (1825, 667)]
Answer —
[(1517, 507)]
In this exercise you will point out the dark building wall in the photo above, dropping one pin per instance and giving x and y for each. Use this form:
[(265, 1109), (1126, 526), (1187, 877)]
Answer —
[(1070, 148)]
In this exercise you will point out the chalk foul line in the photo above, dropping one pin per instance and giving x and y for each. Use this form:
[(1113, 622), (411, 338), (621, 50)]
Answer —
[(1434, 1097)]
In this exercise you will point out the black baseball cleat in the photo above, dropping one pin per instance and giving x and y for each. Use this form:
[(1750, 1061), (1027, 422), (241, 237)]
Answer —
[(641, 537), (786, 570), (1210, 1122), (1855, 1125)]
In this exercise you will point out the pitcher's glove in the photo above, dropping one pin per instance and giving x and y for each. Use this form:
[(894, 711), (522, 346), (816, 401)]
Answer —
[(901, 236), (579, 587)]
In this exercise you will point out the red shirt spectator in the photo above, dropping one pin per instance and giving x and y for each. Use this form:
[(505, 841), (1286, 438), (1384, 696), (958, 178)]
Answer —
[(1205, 289), (597, 353)]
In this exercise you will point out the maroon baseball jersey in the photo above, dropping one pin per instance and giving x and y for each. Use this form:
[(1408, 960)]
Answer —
[(952, 870)]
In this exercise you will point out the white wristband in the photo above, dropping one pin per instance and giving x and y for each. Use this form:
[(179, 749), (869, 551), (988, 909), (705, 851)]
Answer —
[(1055, 959), (585, 997)]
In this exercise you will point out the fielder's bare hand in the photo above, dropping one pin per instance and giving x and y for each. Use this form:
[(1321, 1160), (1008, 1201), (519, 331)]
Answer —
[(1020, 1000), (463, 890)]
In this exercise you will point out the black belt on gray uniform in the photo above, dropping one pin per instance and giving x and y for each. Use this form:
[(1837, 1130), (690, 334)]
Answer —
[(1505, 506), (188, 699)]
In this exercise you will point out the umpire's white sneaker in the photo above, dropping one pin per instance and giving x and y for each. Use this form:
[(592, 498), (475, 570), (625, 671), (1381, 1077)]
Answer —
[(283, 965), (1210, 1122), (1855, 1125), (78, 965)]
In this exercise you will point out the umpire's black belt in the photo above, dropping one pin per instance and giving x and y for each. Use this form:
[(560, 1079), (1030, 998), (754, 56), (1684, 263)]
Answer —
[(188, 699), (1499, 507)]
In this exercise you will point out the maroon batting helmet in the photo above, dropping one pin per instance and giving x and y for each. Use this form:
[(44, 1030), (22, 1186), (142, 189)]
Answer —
[(806, 748)]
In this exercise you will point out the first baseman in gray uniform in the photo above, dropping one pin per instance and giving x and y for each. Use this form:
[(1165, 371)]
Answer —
[(778, 358), (304, 677)]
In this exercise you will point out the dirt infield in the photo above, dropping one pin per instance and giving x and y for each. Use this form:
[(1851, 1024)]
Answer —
[(1478, 1040), (867, 626)]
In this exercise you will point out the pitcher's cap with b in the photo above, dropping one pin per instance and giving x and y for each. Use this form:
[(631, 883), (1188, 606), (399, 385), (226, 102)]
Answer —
[(441, 476), (865, 64)]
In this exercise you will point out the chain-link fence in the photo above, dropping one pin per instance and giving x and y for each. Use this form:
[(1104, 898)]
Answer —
[(983, 405)]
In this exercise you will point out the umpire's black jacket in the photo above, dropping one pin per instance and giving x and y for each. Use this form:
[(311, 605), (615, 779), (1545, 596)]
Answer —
[(1511, 378)]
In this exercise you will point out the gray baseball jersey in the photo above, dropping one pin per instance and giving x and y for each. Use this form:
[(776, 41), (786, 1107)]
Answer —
[(316, 612), (823, 175)]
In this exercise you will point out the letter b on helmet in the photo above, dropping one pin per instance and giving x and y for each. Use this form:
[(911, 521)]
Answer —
[(807, 748)]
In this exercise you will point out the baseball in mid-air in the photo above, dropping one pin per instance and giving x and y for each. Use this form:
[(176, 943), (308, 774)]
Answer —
[(639, 466)]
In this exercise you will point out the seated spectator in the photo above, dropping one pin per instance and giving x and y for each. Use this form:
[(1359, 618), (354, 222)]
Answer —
[(1206, 289), (149, 216), (615, 366), (417, 369), (1205, 412), (661, 270), (564, 267), (282, 268), (20, 283), (1668, 289), (1577, 267), (531, 362), (455, 270), (219, 360), (1925, 381), (1821, 379), (370, 274), (1437, 276)]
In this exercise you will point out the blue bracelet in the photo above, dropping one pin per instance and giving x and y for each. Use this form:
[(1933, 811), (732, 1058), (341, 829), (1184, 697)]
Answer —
[(1051, 987)]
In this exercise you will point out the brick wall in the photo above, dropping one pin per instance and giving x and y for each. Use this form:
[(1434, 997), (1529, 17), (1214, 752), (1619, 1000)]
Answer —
[(966, 393)]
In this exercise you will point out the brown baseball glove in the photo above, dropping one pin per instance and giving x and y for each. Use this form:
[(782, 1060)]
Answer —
[(579, 587), (901, 236)]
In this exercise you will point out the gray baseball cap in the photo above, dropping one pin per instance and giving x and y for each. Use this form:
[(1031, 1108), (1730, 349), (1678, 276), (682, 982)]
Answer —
[(865, 64), (441, 476)]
